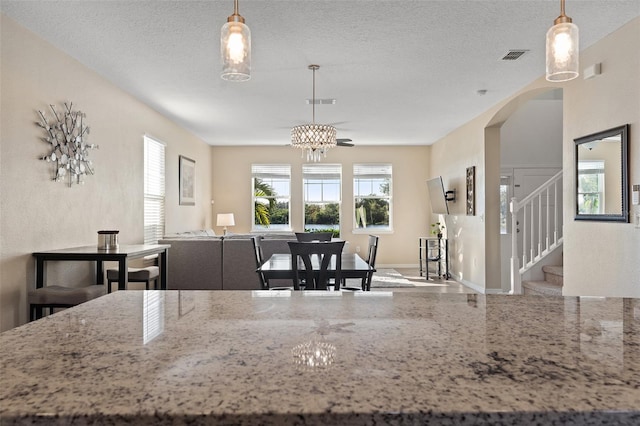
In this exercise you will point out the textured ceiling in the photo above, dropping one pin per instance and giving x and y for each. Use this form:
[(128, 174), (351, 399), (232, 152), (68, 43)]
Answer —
[(403, 72)]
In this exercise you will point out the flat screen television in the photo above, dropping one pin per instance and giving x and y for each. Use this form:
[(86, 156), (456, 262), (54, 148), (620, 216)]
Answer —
[(437, 196)]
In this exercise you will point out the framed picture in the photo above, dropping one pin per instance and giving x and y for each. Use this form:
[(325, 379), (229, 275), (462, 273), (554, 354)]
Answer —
[(471, 193), (187, 181)]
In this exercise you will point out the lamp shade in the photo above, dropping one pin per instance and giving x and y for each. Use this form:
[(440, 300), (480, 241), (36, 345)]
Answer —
[(225, 219)]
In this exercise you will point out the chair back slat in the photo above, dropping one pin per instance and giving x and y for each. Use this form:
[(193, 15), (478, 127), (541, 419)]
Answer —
[(322, 252), (313, 236)]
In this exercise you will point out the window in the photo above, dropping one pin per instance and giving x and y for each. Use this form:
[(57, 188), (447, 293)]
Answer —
[(505, 202), (591, 187), (153, 190), (372, 196), (271, 189), (322, 197)]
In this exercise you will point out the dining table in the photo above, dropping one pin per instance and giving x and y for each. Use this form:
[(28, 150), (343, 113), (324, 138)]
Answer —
[(278, 266)]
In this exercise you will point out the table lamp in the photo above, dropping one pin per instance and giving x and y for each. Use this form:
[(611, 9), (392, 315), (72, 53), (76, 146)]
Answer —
[(225, 219)]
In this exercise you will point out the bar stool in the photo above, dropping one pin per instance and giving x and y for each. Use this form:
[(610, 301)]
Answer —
[(136, 275), (56, 296)]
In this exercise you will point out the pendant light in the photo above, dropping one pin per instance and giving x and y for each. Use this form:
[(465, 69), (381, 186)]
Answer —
[(314, 139), (235, 48), (562, 49)]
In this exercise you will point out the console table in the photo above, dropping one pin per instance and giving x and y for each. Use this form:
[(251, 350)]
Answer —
[(91, 253), (434, 250)]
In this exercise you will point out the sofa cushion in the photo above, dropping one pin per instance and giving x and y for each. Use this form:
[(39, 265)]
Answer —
[(194, 263), (196, 233)]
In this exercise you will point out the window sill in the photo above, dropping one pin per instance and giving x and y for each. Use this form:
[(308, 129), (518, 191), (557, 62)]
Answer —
[(369, 231)]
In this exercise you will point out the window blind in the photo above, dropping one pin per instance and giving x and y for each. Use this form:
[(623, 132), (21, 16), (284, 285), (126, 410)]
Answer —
[(372, 171), (154, 190)]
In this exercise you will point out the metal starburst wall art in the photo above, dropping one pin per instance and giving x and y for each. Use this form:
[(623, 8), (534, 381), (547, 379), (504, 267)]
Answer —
[(66, 135)]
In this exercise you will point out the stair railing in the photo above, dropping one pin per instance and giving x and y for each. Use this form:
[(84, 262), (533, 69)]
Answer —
[(541, 215)]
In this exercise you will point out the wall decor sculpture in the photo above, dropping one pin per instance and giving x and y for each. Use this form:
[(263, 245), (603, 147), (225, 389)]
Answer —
[(66, 135), (471, 195)]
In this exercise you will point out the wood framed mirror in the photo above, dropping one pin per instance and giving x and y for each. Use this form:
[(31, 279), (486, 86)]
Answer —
[(602, 176)]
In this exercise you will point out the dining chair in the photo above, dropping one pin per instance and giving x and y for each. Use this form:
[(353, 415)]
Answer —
[(323, 252), (372, 250), (56, 296), (264, 282), (313, 236), (371, 261), (136, 275)]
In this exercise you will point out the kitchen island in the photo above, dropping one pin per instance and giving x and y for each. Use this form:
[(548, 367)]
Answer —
[(344, 358)]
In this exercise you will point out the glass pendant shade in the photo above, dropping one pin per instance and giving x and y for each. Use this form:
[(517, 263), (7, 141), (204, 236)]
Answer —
[(562, 52), (562, 49), (235, 49)]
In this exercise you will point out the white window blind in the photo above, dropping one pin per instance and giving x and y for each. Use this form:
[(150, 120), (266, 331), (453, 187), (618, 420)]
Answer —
[(154, 190)]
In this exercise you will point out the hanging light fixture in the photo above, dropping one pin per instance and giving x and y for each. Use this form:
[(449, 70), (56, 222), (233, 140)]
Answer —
[(562, 48), (314, 138), (235, 48)]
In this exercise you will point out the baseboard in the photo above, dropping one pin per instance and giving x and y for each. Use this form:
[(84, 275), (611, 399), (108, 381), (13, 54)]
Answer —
[(469, 284), (398, 265)]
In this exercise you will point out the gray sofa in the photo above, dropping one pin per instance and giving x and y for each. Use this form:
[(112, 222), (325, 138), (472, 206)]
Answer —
[(201, 261)]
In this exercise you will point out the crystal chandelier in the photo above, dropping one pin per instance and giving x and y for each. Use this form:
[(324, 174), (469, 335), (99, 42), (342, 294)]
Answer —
[(313, 138), (562, 49)]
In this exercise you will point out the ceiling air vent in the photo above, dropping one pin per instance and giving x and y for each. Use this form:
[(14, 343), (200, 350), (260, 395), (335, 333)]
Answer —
[(512, 55)]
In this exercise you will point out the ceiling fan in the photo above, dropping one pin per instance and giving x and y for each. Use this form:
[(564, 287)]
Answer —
[(344, 142)]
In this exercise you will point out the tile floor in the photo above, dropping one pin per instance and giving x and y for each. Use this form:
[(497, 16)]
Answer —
[(432, 285)]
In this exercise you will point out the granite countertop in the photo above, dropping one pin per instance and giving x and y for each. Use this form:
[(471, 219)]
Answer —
[(225, 357)]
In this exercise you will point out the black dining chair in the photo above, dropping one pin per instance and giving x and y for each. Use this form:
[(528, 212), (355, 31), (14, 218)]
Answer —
[(372, 251), (322, 252), (371, 261), (313, 236), (264, 282)]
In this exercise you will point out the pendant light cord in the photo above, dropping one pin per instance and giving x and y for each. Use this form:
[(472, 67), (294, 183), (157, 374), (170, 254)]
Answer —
[(313, 97)]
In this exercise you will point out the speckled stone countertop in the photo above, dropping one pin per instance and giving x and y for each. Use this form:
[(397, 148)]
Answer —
[(224, 357)]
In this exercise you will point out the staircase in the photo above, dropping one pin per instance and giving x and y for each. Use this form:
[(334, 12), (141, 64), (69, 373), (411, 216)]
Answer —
[(536, 221), (551, 286)]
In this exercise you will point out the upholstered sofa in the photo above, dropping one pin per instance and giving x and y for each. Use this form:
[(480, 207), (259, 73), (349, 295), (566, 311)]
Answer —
[(200, 260)]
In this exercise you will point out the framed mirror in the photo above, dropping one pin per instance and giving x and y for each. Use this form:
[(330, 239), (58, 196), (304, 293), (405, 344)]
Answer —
[(602, 190)]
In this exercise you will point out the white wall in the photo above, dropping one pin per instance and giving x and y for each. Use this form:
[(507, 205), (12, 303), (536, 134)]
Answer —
[(38, 214), (532, 136)]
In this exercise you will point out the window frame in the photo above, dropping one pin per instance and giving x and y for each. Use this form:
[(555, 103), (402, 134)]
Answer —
[(323, 172), (261, 171), (362, 170)]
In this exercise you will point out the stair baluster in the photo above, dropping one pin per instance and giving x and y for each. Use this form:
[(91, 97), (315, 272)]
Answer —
[(535, 245)]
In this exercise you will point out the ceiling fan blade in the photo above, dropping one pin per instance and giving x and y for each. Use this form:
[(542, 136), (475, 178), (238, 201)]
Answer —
[(344, 142)]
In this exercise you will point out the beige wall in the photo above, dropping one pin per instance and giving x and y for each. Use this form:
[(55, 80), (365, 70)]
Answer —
[(411, 211), (38, 214), (600, 258)]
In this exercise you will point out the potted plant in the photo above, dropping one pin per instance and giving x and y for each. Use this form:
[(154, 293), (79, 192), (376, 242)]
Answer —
[(437, 229)]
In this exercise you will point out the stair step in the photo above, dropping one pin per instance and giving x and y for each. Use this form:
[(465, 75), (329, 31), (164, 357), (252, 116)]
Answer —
[(553, 274), (544, 288)]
